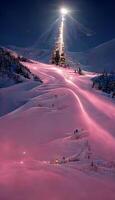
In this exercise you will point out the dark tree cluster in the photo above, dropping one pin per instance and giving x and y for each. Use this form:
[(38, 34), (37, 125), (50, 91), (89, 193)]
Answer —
[(105, 82), (11, 66)]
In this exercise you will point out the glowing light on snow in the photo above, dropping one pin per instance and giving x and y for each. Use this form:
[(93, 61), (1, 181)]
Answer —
[(68, 81), (71, 77), (34, 67), (59, 70), (21, 162), (64, 11), (24, 152), (56, 161), (45, 162)]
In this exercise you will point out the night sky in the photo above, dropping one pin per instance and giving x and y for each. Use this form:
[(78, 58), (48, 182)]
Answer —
[(23, 21)]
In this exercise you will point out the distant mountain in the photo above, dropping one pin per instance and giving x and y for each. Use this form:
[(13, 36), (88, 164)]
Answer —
[(99, 58), (96, 59), (102, 57), (12, 71), (42, 55)]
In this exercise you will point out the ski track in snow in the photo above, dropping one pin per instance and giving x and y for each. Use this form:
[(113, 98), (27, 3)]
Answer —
[(36, 129)]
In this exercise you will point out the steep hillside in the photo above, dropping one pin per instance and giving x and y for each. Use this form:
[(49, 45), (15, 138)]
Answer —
[(12, 70)]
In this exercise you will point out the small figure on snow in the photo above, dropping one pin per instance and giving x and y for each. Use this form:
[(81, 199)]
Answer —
[(77, 134), (63, 159), (93, 166), (75, 71), (76, 131)]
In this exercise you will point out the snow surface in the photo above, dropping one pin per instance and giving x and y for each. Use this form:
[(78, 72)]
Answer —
[(37, 130)]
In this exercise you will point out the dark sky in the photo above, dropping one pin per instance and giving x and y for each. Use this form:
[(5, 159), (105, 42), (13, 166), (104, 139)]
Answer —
[(23, 21)]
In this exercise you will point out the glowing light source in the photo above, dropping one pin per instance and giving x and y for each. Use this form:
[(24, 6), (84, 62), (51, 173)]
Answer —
[(64, 11), (24, 152), (21, 162)]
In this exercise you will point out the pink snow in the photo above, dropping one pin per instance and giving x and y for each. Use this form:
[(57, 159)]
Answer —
[(37, 128)]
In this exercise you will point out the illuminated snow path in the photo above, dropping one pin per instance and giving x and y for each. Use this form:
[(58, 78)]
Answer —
[(38, 129)]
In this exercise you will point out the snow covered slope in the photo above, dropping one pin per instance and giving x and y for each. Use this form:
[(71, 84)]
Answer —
[(41, 157), (12, 70)]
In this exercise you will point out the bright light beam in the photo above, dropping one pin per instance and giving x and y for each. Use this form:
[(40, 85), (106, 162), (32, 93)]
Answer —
[(64, 11)]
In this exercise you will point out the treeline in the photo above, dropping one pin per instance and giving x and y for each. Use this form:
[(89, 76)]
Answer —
[(105, 82)]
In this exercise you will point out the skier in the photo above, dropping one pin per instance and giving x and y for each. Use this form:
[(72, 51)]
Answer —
[(76, 131), (63, 159), (79, 71), (94, 166), (77, 134)]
